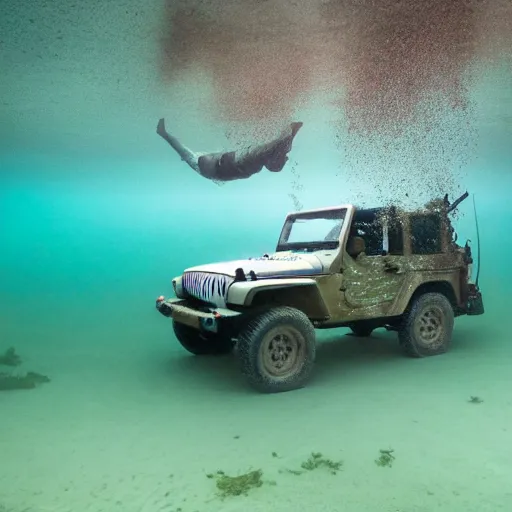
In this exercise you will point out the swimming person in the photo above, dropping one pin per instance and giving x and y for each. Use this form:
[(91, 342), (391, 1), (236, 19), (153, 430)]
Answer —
[(233, 165)]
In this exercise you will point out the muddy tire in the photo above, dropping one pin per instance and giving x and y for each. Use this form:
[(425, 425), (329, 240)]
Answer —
[(201, 344), (277, 350), (427, 326)]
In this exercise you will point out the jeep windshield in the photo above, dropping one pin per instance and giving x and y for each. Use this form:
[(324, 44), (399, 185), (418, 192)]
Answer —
[(312, 231)]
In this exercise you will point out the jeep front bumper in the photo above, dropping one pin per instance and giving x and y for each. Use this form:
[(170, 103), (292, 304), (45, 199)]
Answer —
[(207, 320)]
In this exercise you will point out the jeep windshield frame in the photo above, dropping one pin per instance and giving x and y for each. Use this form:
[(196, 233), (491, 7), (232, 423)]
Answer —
[(334, 218)]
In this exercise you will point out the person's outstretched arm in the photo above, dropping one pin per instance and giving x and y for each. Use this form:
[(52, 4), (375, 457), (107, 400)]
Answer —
[(185, 153)]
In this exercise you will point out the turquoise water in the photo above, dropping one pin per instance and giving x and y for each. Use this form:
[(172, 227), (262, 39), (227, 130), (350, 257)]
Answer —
[(97, 215)]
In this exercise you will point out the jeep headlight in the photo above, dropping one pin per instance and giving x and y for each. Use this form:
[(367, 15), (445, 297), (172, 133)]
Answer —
[(178, 288)]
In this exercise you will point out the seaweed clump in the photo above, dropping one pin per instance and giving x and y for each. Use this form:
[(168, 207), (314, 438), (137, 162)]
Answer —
[(237, 485), (28, 381), (316, 460), (385, 459), (10, 358), (10, 381)]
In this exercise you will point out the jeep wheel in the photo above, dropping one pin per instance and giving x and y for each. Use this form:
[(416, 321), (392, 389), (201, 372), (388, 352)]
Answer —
[(199, 343), (427, 326), (277, 350)]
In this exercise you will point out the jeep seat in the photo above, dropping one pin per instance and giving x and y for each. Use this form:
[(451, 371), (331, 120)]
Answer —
[(355, 246)]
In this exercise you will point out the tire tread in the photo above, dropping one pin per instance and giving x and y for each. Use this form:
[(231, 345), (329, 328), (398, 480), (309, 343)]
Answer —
[(249, 341)]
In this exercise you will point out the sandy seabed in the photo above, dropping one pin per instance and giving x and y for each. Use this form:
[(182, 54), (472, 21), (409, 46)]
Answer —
[(135, 426)]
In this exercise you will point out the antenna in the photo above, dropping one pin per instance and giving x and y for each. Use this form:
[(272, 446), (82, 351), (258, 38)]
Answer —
[(477, 242)]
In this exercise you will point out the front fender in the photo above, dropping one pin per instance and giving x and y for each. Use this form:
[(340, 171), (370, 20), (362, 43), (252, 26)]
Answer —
[(304, 294)]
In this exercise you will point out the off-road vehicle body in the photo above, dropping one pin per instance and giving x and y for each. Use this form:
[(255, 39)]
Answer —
[(333, 267)]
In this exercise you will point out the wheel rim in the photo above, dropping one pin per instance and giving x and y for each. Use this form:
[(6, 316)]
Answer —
[(429, 327), (282, 351)]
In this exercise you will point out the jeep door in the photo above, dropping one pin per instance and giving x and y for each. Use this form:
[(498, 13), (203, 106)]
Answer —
[(372, 277)]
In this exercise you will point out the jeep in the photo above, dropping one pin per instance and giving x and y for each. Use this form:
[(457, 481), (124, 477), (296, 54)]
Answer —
[(342, 266)]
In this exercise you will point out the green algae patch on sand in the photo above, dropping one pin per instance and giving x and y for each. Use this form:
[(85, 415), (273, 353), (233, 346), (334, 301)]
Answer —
[(317, 460), (385, 459), (30, 380), (236, 485), (10, 358), (13, 381)]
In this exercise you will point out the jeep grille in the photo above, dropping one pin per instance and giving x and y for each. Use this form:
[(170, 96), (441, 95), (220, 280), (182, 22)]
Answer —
[(207, 287)]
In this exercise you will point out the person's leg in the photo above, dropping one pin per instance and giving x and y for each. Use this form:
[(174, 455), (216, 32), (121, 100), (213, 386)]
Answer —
[(278, 155), (234, 165), (274, 154)]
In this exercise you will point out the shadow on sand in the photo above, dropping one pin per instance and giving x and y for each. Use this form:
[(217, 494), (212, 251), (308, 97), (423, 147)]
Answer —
[(339, 356)]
